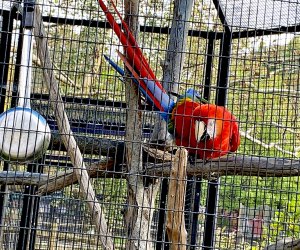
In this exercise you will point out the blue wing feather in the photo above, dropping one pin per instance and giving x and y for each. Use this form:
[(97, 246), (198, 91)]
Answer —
[(165, 100)]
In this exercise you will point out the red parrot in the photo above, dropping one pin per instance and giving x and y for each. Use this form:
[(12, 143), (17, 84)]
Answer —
[(206, 130)]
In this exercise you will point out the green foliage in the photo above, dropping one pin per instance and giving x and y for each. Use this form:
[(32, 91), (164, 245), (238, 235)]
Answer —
[(271, 117), (286, 221)]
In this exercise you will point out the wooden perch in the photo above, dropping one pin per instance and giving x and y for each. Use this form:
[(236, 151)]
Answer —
[(66, 178), (91, 145), (67, 135), (284, 245), (176, 231), (233, 165), (48, 184)]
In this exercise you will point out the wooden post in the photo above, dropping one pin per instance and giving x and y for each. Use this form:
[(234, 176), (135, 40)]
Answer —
[(67, 137), (141, 199), (176, 198)]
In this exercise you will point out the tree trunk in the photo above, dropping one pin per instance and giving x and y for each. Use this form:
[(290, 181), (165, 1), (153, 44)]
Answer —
[(138, 216), (176, 230), (174, 60)]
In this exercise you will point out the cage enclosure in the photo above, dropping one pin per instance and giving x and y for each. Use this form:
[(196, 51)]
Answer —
[(112, 177)]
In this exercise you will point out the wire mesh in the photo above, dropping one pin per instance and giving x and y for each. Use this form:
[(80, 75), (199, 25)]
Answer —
[(244, 55)]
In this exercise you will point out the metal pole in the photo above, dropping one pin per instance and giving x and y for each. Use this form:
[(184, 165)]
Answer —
[(213, 185), (29, 212), (195, 212), (5, 44), (30, 202), (208, 67), (161, 232), (206, 95)]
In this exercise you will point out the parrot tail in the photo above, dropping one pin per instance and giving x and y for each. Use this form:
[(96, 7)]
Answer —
[(137, 64), (131, 48), (154, 95)]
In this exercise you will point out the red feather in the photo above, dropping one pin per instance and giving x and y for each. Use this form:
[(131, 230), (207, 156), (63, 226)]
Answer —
[(133, 52), (226, 139), (141, 82)]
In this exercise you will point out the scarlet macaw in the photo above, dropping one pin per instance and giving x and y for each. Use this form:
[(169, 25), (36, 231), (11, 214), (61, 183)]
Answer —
[(206, 130)]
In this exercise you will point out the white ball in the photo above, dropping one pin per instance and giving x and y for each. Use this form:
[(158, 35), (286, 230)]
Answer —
[(24, 134)]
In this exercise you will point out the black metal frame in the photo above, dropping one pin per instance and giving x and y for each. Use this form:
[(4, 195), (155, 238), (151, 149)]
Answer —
[(5, 43), (221, 99), (30, 202)]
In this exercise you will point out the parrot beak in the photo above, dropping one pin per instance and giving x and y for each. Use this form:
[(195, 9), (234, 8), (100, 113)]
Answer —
[(201, 131), (205, 137)]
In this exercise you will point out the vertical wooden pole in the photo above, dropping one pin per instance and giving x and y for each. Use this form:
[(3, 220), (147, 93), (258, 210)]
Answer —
[(141, 199), (172, 68), (67, 137), (176, 198)]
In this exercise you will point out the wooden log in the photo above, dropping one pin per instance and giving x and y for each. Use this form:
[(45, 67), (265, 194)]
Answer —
[(173, 65), (67, 137), (141, 200), (176, 230), (233, 165), (285, 244)]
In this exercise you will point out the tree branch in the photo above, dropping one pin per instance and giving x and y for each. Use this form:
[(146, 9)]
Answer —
[(231, 165), (270, 145), (174, 61), (66, 178), (234, 165), (67, 135)]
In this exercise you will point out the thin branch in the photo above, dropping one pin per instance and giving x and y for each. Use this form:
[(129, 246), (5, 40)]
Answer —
[(67, 135), (277, 91), (267, 146), (62, 77), (231, 165)]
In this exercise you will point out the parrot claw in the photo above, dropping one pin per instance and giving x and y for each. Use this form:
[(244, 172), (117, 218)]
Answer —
[(192, 158)]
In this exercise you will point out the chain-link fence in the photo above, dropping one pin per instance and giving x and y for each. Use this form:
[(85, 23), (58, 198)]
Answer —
[(242, 55)]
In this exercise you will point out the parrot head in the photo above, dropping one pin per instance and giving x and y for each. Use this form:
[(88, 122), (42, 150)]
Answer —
[(207, 126)]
